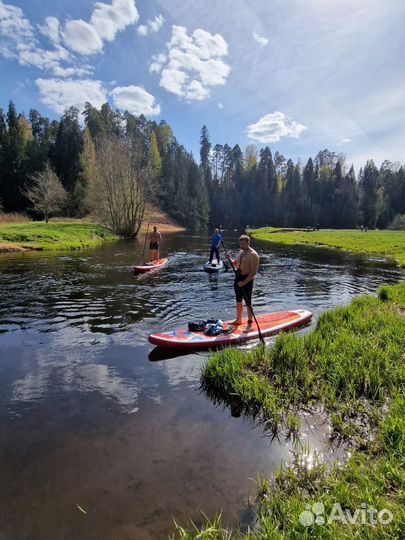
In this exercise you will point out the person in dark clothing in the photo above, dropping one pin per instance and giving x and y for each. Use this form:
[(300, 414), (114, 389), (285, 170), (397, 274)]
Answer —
[(215, 243)]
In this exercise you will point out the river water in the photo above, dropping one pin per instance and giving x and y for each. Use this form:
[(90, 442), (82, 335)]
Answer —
[(101, 437)]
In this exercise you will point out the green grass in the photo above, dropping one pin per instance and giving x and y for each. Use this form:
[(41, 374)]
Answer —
[(54, 236), (385, 243), (349, 364), (353, 365)]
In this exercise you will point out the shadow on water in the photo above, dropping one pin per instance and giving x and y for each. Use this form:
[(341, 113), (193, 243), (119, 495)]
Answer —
[(91, 416), (158, 354)]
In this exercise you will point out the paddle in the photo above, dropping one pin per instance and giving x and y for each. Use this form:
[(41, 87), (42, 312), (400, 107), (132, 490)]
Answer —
[(144, 244), (249, 304)]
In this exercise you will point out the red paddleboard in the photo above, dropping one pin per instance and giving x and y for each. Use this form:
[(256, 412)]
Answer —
[(271, 323), (153, 265)]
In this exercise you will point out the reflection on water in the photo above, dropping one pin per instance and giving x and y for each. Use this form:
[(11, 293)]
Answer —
[(92, 416)]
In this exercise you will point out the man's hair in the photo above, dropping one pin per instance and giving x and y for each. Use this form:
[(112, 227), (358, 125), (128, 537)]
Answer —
[(245, 237)]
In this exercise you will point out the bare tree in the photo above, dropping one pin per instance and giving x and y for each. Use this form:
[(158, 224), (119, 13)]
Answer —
[(45, 192), (117, 193)]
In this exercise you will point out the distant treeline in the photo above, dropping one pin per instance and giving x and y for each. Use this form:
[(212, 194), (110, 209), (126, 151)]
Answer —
[(228, 187), (29, 143), (259, 188)]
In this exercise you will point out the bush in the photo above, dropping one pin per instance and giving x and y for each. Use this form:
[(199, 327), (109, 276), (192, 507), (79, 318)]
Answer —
[(398, 223)]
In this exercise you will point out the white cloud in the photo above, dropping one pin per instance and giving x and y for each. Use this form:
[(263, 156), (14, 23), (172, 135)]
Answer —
[(193, 63), (109, 19), (60, 71), (135, 100), (153, 25), (272, 127), (157, 62), (16, 31), (105, 22), (18, 40), (142, 30), (81, 37), (18, 37), (260, 39), (50, 29), (58, 94), (345, 140), (156, 24), (220, 106)]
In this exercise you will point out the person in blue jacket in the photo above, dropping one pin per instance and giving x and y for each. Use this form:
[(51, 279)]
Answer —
[(215, 243)]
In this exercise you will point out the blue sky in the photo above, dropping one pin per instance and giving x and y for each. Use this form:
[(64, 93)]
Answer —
[(296, 75)]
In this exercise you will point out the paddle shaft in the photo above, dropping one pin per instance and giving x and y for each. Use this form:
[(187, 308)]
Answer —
[(249, 304), (144, 244)]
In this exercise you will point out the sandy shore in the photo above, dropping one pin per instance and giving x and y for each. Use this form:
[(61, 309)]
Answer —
[(163, 227), (11, 248)]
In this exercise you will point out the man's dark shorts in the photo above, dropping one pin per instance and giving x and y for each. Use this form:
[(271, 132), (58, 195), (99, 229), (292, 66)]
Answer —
[(154, 245), (245, 292)]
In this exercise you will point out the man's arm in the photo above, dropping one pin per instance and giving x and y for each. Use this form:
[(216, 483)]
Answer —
[(236, 261)]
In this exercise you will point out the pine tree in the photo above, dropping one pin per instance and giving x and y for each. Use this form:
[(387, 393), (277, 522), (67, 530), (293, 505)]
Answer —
[(14, 158), (68, 149), (369, 184)]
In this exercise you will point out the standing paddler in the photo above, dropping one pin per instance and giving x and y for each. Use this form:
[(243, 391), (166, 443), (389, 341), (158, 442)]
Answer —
[(155, 238), (215, 243), (246, 265)]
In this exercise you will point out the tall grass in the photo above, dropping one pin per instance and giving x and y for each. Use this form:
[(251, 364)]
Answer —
[(349, 364), (13, 217), (353, 365)]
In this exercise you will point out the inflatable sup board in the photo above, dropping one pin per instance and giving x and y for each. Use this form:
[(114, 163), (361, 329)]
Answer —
[(271, 323), (213, 267), (153, 265)]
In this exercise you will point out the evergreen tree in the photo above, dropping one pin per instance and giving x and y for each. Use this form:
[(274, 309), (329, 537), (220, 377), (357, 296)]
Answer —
[(369, 200), (309, 209), (67, 152), (205, 149), (14, 159)]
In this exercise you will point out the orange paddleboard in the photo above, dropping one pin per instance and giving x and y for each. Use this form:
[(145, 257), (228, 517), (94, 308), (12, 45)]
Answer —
[(271, 323), (153, 265)]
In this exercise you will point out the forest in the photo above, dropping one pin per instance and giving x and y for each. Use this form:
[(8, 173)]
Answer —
[(100, 151)]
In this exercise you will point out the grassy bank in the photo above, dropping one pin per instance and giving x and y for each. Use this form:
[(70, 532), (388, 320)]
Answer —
[(385, 243), (53, 236), (353, 366)]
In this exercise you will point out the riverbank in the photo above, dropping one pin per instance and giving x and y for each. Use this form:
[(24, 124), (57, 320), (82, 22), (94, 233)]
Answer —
[(390, 244), (68, 234), (352, 366), (52, 236)]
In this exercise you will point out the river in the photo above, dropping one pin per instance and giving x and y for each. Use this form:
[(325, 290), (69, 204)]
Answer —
[(102, 438)]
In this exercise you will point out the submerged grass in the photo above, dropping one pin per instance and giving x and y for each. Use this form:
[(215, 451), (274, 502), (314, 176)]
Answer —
[(385, 243), (353, 365), (54, 236)]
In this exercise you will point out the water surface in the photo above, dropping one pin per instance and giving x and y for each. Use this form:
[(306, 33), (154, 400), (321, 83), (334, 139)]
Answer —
[(90, 419)]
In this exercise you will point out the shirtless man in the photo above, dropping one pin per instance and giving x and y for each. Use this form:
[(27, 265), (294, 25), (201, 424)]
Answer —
[(246, 265), (154, 241)]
